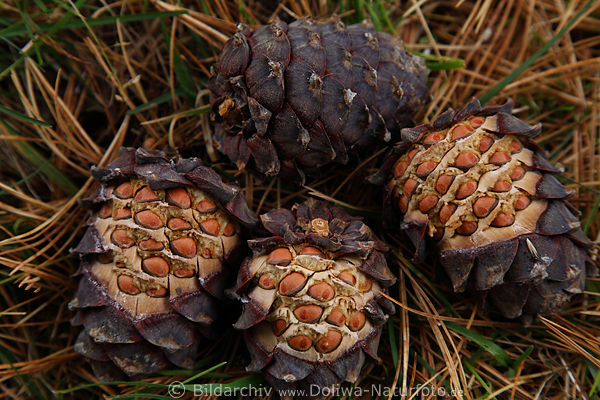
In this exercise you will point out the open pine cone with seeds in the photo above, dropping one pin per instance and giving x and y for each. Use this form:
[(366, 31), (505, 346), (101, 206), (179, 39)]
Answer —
[(476, 186), (312, 298), (293, 98), (160, 246)]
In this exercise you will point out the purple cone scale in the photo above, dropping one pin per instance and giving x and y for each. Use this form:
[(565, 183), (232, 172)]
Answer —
[(313, 308), (155, 258), (475, 186), (292, 98)]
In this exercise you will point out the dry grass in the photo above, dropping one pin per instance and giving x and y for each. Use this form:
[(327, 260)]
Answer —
[(97, 86)]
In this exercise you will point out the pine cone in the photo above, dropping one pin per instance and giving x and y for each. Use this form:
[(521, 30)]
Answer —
[(312, 306), (154, 262), (298, 97), (476, 183)]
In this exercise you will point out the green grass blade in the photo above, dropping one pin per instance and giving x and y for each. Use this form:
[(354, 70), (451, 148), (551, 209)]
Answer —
[(472, 370), (438, 63), (496, 351), (36, 159), (592, 216), (23, 117), (497, 88), (206, 371), (163, 98), (20, 29), (519, 360), (595, 372)]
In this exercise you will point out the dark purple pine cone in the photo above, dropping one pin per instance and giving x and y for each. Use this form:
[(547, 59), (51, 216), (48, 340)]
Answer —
[(154, 261), (297, 97), (476, 186), (311, 295)]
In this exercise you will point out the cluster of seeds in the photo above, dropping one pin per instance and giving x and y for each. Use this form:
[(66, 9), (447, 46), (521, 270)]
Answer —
[(154, 262), (319, 298), (475, 182), (313, 296), (464, 179), (155, 234)]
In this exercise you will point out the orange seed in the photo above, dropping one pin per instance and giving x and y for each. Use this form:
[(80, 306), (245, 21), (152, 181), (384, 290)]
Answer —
[(279, 326), (210, 226), (156, 266), (501, 186), (120, 238), (105, 211), (503, 219), (485, 143), (124, 190), (321, 291), (179, 197), (330, 342), (515, 146), (184, 272), (400, 168), (300, 342), (357, 321), (467, 228), (178, 224), (365, 285), (312, 251), (409, 186), (280, 256), (266, 282), (148, 219), (336, 317), (466, 189), (184, 246), (443, 183), (499, 158), (127, 285), (484, 205), (206, 206), (460, 132), (412, 153), (347, 277), (308, 313), (403, 203), (427, 203), (160, 291), (466, 160), (517, 173), (522, 202), (145, 194), (122, 213), (151, 245), (446, 212), (425, 168), (476, 122), (229, 230), (292, 283), (433, 138)]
